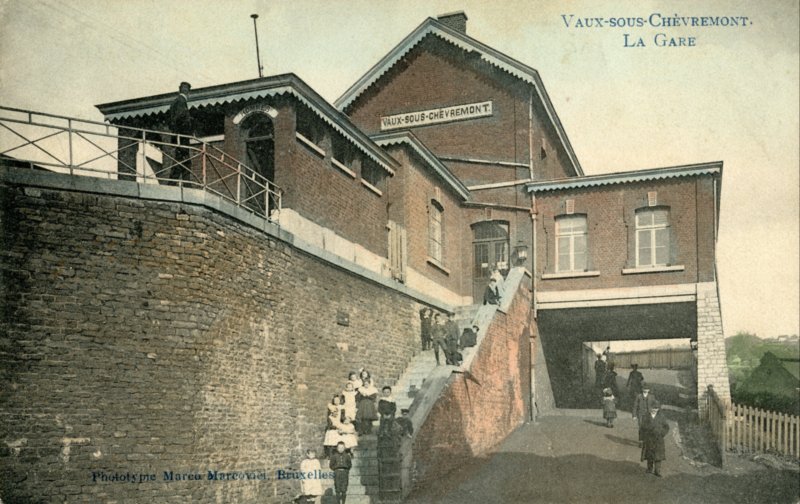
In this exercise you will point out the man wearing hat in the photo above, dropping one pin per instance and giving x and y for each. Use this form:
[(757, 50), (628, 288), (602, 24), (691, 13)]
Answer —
[(180, 122), (635, 380), (654, 429), (641, 407)]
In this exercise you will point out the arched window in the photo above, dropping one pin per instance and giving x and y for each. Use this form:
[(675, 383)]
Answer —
[(652, 237), (490, 245), (571, 233), (259, 134)]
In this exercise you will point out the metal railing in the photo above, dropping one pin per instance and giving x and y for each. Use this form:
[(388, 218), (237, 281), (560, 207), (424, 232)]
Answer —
[(38, 140)]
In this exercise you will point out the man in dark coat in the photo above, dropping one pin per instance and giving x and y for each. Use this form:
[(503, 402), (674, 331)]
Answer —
[(642, 405), (634, 384), (180, 122), (599, 372), (341, 462), (451, 340), (492, 294), (655, 428), (425, 322), (610, 379)]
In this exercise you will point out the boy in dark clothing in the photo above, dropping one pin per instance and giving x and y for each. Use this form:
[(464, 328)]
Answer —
[(341, 462), (469, 338), (404, 422), (386, 409)]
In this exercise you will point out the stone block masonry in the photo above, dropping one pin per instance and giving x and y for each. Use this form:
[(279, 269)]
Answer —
[(144, 343), (712, 364)]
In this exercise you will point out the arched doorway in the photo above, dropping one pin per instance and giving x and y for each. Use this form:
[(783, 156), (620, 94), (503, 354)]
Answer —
[(490, 245), (259, 134)]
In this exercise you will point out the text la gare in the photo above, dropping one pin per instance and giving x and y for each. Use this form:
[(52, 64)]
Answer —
[(659, 40)]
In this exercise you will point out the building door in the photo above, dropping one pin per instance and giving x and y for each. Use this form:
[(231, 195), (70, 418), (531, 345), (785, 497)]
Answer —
[(260, 157), (490, 247)]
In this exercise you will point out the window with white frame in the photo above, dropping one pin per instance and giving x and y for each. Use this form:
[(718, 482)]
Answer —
[(435, 231), (571, 231), (652, 237)]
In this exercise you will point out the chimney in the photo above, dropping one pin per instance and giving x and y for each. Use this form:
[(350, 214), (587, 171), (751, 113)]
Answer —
[(454, 20)]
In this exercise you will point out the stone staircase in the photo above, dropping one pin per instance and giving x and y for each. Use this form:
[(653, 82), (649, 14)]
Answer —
[(423, 364), (363, 485)]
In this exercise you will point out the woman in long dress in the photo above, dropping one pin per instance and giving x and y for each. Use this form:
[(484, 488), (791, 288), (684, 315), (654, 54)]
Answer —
[(332, 436), (367, 410), (349, 400), (347, 433)]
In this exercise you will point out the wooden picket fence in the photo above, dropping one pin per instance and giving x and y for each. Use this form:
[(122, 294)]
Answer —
[(658, 358), (745, 429), (755, 430)]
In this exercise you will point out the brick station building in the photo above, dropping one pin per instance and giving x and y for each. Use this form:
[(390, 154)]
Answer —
[(444, 161)]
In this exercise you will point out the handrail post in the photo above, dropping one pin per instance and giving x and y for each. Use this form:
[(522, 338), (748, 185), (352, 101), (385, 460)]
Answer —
[(144, 157), (239, 183), (203, 164), (69, 142)]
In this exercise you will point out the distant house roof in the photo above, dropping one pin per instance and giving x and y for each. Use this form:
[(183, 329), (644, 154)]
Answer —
[(409, 139), (770, 376), (513, 67), (286, 84)]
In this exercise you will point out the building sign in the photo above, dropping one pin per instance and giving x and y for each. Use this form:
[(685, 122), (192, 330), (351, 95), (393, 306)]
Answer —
[(255, 109), (435, 116)]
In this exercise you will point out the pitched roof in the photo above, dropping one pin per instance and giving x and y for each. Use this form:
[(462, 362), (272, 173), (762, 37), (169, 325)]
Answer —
[(408, 138), (513, 67), (277, 85), (714, 167)]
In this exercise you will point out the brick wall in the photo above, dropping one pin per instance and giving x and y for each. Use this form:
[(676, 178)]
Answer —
[(435, 74), (476, 411), (414, 188), (142, 337), (610, 212)]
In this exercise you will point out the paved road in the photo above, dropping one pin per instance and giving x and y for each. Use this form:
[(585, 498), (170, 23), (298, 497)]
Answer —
[(574, 458)]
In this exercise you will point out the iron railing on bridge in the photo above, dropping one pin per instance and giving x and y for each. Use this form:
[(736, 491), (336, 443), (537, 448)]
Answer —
[(38, 140)]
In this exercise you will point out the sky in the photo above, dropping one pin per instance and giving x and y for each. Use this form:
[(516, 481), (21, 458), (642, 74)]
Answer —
[(732, 96)]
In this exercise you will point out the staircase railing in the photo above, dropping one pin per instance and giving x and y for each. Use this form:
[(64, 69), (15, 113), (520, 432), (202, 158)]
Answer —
[(80, 147)]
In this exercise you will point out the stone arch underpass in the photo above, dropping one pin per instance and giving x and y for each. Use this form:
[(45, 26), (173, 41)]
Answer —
[(565, 326)]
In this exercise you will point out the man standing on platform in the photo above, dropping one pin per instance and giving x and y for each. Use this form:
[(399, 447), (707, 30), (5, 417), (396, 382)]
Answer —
[(425, 320), (180, 122)]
